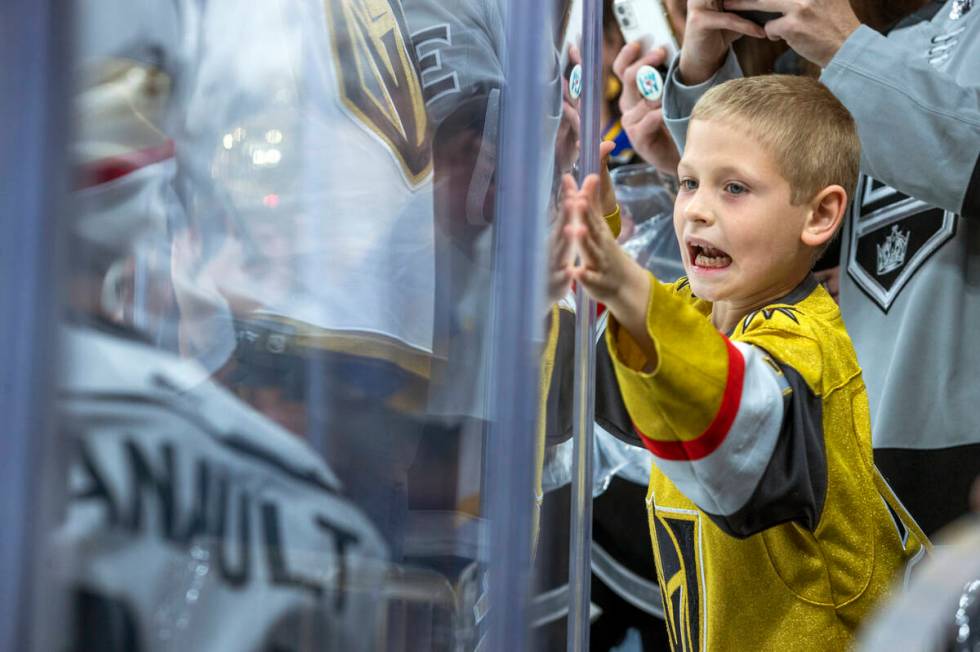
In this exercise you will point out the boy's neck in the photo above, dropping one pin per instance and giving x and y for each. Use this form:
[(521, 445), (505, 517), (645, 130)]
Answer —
[(725, 315)]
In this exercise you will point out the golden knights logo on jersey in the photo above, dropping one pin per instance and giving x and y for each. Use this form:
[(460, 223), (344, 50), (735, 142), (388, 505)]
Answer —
[(377, 78), (892, 237), (677, 537)]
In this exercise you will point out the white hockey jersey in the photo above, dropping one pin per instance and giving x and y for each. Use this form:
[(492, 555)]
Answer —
[(302, 142), (194, 523)]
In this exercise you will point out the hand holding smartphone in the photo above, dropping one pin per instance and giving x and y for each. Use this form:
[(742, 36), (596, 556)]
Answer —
[(646, 21), (760, 18)]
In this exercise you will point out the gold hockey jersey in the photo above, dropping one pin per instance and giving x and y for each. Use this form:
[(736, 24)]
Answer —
[(772, 528)]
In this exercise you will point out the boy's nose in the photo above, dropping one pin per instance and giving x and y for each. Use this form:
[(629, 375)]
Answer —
[(698, 210)]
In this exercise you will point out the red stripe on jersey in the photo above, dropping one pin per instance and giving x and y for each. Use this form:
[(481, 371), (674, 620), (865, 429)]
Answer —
[(112, 168), (708, 441)]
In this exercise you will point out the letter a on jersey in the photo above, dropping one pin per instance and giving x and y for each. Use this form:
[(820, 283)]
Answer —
[(378, 81)]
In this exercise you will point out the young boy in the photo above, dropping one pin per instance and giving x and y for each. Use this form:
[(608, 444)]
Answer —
[(772, 529)]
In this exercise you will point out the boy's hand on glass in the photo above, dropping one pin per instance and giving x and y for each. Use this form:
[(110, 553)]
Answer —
[(560, 250), (607, 272), (560, 244), (604, 270), (602, 265)]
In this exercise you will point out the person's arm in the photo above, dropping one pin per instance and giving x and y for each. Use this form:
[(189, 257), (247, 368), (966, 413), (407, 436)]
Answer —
[(680, 98), (558, 355), (920, 129), (708, 35), (737, 432), (560, 251)]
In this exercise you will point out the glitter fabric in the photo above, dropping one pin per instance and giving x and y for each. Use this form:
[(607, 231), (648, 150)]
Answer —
[(789, 586)]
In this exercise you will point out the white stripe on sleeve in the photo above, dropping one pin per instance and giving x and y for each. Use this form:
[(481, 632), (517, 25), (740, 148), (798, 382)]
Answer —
[(723, 482)]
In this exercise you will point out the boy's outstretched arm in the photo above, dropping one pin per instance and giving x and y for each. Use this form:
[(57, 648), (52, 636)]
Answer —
[(607, 272), (733, 425)]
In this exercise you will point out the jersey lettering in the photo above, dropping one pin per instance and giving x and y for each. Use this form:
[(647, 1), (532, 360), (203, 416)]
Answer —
[(428, 44), (378, 83), (678, 536), (219, 512)]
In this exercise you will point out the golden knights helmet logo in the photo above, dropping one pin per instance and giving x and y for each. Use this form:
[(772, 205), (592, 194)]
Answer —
[(377, 78)]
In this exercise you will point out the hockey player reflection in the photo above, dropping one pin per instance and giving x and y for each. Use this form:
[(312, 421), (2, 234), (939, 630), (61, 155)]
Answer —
[(220, 510), (193, 521)]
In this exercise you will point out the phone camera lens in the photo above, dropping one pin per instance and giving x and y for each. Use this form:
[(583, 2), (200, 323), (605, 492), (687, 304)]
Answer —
[(621, 9)]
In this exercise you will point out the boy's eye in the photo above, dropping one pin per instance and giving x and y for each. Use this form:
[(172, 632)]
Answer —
[(688, 184), (735, 188)]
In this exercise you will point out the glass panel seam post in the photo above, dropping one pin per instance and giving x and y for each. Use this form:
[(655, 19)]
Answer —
[(518, 312), (34, 92), (583, 410)]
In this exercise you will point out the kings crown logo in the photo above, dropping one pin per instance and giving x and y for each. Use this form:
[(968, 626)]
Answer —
[(891, 254)]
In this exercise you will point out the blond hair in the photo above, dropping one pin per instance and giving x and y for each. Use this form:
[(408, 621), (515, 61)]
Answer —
[(799, 121)]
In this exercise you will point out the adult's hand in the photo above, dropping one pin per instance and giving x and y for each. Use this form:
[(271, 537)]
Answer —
[(642, 119), (815, 29), (709, 33)]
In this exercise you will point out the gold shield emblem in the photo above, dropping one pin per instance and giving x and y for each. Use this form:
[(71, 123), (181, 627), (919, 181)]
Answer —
[(378, 80)]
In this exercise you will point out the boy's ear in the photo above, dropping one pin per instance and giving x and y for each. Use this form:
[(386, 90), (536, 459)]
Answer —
[(826, 213)]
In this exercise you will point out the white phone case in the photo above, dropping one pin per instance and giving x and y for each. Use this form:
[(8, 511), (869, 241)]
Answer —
[(646, 21)]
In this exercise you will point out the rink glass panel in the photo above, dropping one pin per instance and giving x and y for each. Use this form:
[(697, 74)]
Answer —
[(303, 322)]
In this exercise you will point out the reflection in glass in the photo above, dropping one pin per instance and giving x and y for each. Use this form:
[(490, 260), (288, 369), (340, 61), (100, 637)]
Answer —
[(283, 321)]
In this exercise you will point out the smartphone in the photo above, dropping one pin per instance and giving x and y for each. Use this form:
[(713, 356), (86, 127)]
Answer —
[(646, 21), (760, 18)]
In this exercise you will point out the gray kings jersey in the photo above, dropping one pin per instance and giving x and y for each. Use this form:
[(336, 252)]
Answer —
[(909, 286), (194, 523)]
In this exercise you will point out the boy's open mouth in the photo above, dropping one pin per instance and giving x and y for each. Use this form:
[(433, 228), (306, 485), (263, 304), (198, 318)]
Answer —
[(704, 254)]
